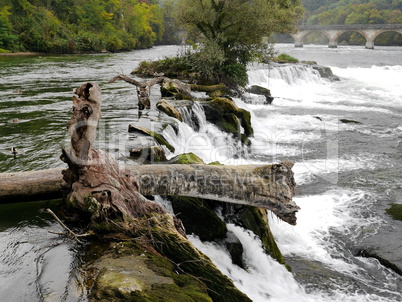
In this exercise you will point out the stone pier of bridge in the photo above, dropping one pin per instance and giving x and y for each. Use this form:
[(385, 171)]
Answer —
[(369, 31)]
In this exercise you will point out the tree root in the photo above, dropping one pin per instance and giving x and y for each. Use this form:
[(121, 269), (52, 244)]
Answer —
[(70, 234)]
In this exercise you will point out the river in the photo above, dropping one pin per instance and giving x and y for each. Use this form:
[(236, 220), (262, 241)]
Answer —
[(347, 174)]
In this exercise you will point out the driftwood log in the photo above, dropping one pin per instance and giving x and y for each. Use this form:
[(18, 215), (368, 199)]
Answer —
[(143, 89), (270, 187)]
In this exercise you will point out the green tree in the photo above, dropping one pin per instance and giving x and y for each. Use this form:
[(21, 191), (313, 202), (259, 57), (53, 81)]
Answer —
[(8, 41), (234, 30)]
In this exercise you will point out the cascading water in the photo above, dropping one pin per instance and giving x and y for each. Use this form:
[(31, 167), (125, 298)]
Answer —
[(303, 124), (208, 142)]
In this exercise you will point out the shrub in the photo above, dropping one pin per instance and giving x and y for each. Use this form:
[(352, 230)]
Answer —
[(285, 58)]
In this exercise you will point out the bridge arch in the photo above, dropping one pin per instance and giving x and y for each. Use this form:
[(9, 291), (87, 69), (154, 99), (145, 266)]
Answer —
[(299, 37), (386, 31), (361, 33), (369, 31)]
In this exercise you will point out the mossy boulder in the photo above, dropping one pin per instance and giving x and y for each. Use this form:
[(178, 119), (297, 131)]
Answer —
[(176, 89), (198, 218), (395, 211), (169, 109), (192, 263), (149, 154), (228, 117), (159, 138), (326, 72), (186, 158), (217, 90), (255, 220), (127, 272), (258, 90)]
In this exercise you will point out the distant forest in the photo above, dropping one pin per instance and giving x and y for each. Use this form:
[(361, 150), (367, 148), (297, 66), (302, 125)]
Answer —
[(73, 26), (325, 12)]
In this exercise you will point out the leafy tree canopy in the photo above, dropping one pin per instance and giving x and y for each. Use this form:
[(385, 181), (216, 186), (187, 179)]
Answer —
[(79, 25), (233, 31)]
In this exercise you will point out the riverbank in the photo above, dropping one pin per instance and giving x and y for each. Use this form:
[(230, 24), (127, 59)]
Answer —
[(26, 53)]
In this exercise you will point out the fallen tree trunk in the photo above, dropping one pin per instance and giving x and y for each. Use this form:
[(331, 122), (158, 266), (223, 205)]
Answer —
[(31, 186), (270, 187)]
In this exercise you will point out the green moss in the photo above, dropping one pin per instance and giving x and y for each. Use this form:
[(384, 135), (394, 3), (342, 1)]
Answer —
[(220, 288), (215, 163), (255, 220), (198, 218), (230, 124), (154, 277), (228, 117), (186, 158), (285, 58), (92, 204), (395, 211), (245, 119), (159, 138), (224, 105)]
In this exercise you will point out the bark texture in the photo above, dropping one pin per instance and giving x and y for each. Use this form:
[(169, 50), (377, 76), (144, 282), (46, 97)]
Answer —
[(143, 89), (270, 187)]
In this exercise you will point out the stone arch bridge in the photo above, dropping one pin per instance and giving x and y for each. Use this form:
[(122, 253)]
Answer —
[(369, 31)]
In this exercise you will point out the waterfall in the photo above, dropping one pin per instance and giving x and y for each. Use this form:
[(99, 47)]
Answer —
[(195, 134), (324, 268)]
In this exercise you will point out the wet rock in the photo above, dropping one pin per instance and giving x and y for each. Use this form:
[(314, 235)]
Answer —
[(395, 211), (326, 72), (175, 89), (159, 138), (347, 121), (169, 109), (148, 154), (235, 249), (198, 218), (255, 89), (228, 117), (255, 220)]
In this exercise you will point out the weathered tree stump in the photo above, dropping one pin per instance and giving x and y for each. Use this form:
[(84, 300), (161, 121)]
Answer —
[(94, 179)]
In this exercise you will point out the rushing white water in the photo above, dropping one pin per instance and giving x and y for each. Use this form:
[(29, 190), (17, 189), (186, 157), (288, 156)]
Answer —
[(208, 142), (305, 124)]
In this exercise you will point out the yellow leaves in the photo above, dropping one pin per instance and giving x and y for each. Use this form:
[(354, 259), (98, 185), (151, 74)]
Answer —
[(107, 16)]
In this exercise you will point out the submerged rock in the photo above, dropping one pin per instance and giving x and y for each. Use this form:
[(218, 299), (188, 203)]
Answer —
[(255, 89), (347, 121)]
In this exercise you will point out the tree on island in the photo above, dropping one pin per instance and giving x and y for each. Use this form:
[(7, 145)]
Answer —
[(234, 33)]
